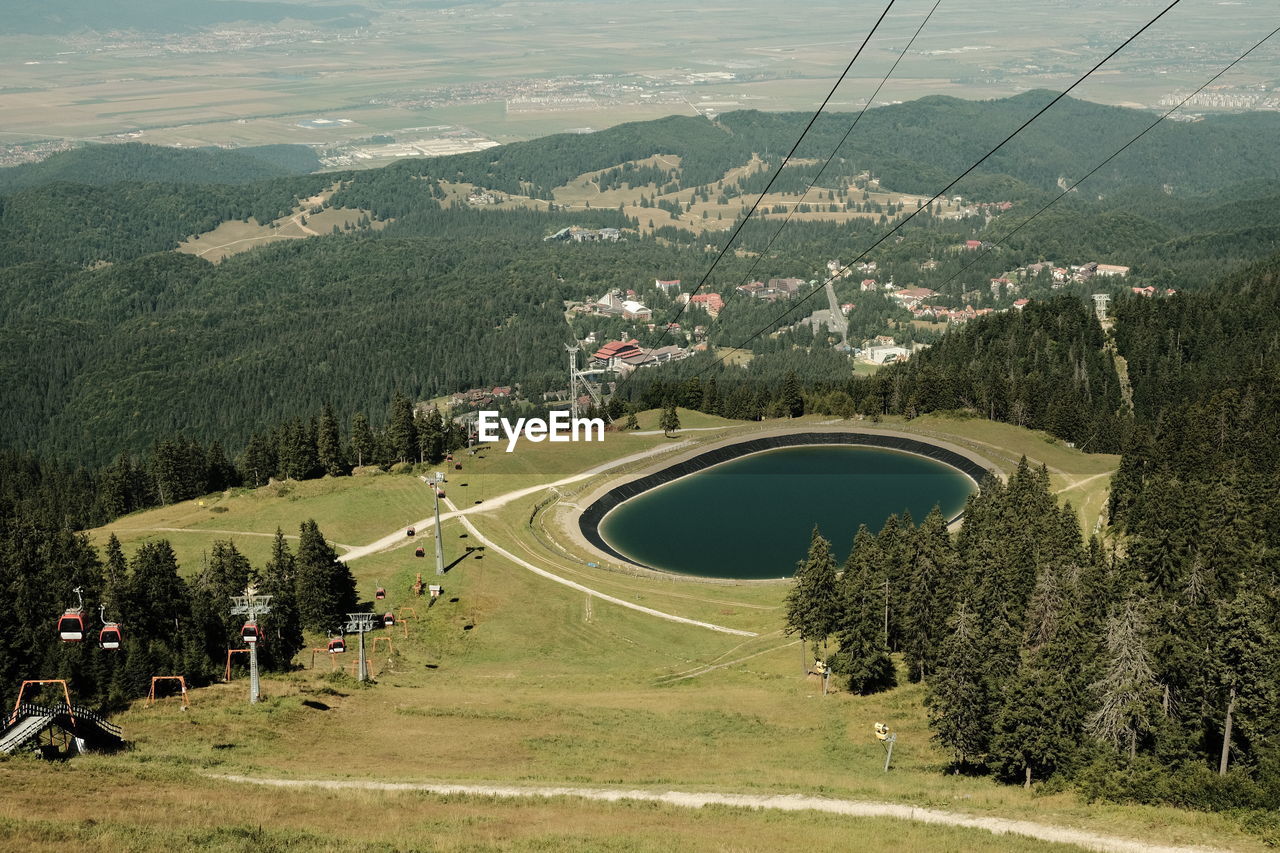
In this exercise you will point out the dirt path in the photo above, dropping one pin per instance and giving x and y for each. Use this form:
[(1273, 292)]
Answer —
[(781, 802), (671, 679), (670, 617), (1079, 483), (392, 539), (204, 252), (214, 530)]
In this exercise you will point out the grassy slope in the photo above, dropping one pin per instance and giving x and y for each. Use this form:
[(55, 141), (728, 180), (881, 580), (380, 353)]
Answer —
[(511, 678)]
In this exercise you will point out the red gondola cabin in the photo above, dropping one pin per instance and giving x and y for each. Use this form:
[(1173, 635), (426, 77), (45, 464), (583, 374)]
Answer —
[(457, 466), (110, 637), (440, 494), (420, 552), (251, 633), (388, 620), (380, 594), (409, 532), (71, 626), (337, 646)]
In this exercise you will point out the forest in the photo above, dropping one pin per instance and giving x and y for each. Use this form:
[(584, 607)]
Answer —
[(104, 332), (1141, 665)]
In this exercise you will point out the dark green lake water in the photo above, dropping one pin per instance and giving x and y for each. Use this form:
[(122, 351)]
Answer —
[(752, 517)]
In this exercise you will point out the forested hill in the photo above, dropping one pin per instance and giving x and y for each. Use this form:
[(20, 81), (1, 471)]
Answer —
[(918, 147), (100, 165)]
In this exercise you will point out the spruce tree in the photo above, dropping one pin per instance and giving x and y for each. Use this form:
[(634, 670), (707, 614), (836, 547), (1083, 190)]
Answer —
[(402, 432), (1038, 728), (1127, 695), (930, 595), (283, 625), (860, 623), (811, 606), (790, 399), (670, 420), (960, 701), (362, 440), (328, 444), (326, 588)]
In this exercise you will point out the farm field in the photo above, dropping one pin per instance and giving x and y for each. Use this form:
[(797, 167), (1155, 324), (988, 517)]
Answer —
[(518, 71), (511, 679)]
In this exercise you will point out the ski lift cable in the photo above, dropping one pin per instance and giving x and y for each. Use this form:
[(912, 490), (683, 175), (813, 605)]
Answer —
[(839, 145), (1115, 154), (940, 193), (742, 222)]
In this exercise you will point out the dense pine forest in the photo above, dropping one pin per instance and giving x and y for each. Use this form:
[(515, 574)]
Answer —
[(1143, 665)]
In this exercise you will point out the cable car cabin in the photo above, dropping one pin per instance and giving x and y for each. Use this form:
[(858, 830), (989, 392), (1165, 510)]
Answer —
[(380, 594), (337, 646), (110, 637), (388, 620), (251, 633), (457, 466), (71, 626), (409, 532), (420, 552), (440, 493)]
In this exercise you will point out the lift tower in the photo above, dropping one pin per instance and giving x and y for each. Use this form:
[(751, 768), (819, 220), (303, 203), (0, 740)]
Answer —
[(579, 383), (252, 606)]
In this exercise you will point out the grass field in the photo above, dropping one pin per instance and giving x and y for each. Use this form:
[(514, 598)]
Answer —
[(235, 236), (513, 679)]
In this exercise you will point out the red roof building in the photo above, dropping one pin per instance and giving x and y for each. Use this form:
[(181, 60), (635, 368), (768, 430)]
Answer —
[(710, 301)]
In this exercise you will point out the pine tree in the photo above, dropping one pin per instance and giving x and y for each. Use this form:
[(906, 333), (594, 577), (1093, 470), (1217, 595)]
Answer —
[(811, 606), (791, 400), (260, 462), (711, 398), (1246, 675), (1127, 694), (283, 624), (860, 623), (670, 420), (402, 432), (362, 440), (328, 444), (326, 588), (930, 594), (1038, 728), (959, 699), (632, 423), (431, 436)]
